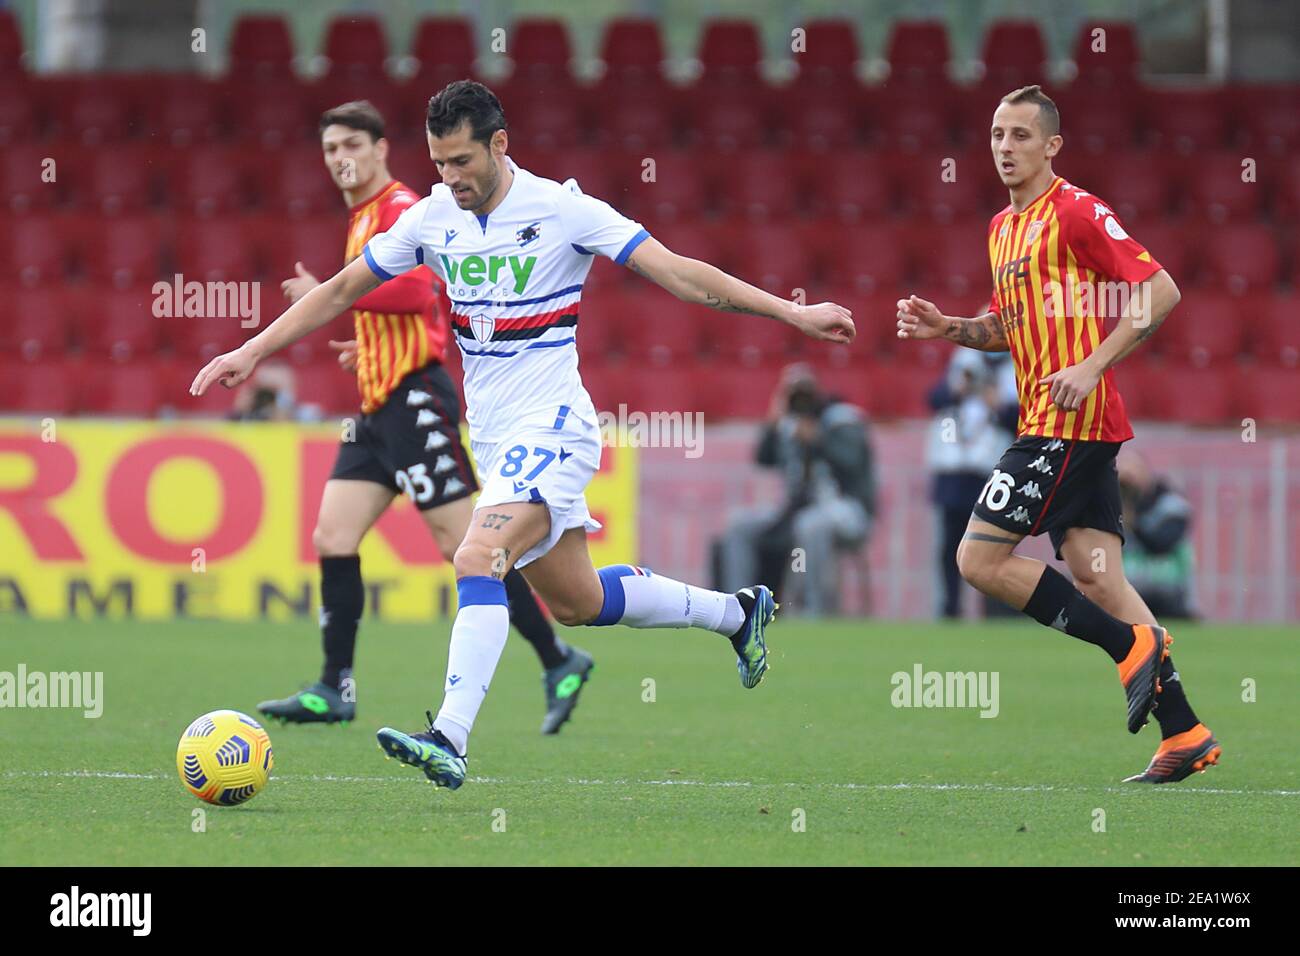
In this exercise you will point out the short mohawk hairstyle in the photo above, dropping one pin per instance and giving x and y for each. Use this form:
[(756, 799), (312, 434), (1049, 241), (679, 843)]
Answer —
[(1049, 117)]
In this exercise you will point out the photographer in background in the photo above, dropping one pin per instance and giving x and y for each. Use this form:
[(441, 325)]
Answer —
[(821, 447), (270, 398), (1158, 556), (976, 409)]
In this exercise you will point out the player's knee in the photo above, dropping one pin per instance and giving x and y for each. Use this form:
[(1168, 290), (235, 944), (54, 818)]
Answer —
[(976, 568), (1102, 587), (332, 541), (578, 605), (475, 559)]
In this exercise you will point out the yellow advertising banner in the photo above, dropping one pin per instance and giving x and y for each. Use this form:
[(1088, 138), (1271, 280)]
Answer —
[(154, 520)]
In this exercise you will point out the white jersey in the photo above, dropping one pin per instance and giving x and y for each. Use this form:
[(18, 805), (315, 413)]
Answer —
[(514, 278)]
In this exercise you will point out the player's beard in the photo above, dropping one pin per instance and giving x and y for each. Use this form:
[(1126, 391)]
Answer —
[(488, 189)]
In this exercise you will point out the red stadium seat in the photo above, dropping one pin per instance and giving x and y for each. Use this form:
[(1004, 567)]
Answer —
[(725, 118), (210, 180), (656, 327), (725, 390), (1107, 59), (1169, 244), (779, 256), (317, 242), (954, 258), (1187, 121), (215, 250), (919, 51), (1097, 118), (444, 49), (22, 166), (632, 50), (135, 389), (1268, 117), (540, 49), (35, 323), (122, 179), (121, 324), (384, 95), (545, 111), (326, 385), (1274, 329), (260, 45), (635, 115), (1216, 191), (92, 111), (1194, 396), (49, 387), (1137, 186), (355, 46), (284, 118), (867, 260), (696, 239), (296, 182), (830, 53), (765, 184), (1270, 394), (853, 187), (39, 249), (682, 186), (11, 45), (123, 252), (185, 110), (730, 52), (822, 119), (1288, 188), (912, 117), (18, 112), (1013, 55), (944, 185), (1242, 257), (1204, 328)]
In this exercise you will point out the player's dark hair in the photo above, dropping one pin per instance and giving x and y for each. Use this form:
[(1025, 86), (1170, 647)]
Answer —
[(1049, 117), (465, 101), (359, 115)]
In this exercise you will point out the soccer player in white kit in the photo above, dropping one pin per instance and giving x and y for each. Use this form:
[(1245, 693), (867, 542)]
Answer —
[(514, 250)]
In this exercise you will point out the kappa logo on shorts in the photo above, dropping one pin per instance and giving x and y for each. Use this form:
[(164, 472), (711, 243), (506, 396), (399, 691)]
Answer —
[(1040, 464), (427, 417), (1054, 445), (1020, 515), (415, 398), (435, 441), (452, 486), (444, 464), (1030, 490)]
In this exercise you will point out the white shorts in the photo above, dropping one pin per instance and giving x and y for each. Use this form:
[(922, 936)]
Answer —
[(544, 464)]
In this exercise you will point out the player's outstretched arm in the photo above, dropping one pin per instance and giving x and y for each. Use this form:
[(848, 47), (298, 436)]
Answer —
[(314, 309), (1145, 313), (919, 319), (694, 281)]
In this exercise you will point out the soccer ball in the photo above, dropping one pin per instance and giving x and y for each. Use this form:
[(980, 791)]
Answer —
[(224, 757)]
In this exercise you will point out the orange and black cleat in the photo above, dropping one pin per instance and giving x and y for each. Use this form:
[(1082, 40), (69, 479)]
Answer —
[(1180, 756), (1140, 672)]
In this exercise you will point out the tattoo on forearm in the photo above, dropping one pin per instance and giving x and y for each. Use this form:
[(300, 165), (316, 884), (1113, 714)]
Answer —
[(977, 536), (495, 521), (726, 305), (985, 334)]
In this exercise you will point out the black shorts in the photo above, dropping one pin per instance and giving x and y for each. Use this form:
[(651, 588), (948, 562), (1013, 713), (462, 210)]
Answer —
[(1052, 485), (411, 444)]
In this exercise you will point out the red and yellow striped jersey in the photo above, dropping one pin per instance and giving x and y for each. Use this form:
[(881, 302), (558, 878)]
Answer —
[(402, 325), (1055, 266)]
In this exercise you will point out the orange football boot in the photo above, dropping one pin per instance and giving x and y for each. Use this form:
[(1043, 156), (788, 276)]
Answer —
[(1180, 756), (1140, 672)]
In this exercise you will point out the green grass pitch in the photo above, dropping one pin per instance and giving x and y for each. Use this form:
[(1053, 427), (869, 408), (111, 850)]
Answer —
[(707, 773)]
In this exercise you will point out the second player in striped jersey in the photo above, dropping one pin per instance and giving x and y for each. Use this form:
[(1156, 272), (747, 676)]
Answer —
[(1059, 258)]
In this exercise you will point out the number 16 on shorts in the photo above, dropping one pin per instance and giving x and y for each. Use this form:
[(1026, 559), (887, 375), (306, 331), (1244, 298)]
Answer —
[(997, 490)]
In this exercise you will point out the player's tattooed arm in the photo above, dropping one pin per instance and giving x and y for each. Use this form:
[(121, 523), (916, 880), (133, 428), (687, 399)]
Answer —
[(1149, 305), (495, 521), (694, 281), (984, 333)]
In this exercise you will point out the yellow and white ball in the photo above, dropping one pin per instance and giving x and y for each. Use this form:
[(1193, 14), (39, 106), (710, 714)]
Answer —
[(224, 758)]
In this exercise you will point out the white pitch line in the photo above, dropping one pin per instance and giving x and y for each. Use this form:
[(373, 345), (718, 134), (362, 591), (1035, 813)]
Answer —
[(583, 782)]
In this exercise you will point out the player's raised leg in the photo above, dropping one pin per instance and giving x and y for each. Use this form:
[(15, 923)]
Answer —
[(625, 594), (347, 511), (1096, 562), (497, 536), (565, 669), (986, 561)]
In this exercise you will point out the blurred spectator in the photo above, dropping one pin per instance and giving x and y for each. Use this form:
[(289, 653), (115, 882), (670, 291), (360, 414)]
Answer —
[(821, 446), (976, 410), (268, 396), (1158, 556)]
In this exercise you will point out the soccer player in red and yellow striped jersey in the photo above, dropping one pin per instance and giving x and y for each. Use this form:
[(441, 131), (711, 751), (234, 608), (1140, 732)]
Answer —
[(1061, 263), (407, 440)]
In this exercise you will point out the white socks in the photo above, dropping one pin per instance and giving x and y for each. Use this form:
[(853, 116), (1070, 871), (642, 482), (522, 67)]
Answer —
[(637, 598), (478, 637)]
